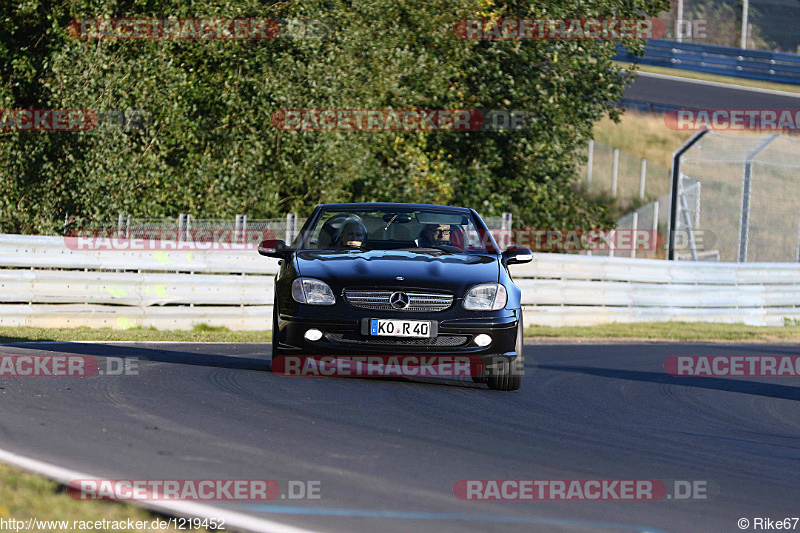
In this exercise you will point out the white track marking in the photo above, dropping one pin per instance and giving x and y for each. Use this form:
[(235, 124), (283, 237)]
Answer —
[(188, 509)]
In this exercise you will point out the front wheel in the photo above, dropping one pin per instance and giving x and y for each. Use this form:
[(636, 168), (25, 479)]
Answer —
[(275, 350), (508, 376)]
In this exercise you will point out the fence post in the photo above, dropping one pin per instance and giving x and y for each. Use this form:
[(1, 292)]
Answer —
[(655, 221), (635, 225), (181, 226), (244, 229), (642, 179), (120, 223), (798, 241), (676, 173), (747, 180), (745, 9), (589, 164), (127, 226), (506, 222), (614, 173), (237, 228), (291, 227)]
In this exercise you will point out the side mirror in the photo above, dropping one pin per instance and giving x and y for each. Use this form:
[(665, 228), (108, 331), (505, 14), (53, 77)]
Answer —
[(273, 248), (517, 255)]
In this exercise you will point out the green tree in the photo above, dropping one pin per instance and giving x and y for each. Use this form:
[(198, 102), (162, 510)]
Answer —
[(208, 147)]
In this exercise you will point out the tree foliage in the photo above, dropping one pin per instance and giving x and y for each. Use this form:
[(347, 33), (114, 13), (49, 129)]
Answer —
[(206, 144)]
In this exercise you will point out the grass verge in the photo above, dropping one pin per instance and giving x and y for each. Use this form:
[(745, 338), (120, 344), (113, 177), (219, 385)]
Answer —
[(24, 495), (670, 331), (662, 331), (731, 80), (201, 333)]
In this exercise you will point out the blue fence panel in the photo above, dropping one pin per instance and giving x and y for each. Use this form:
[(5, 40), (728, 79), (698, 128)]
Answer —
[(781, 67)]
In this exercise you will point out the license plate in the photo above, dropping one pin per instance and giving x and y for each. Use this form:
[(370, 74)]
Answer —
[(400, 328)]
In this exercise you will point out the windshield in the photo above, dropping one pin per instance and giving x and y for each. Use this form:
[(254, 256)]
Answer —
[(393, 229)]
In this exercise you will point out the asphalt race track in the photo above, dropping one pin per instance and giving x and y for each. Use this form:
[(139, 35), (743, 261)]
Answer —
[(693, 94), (388, 452)]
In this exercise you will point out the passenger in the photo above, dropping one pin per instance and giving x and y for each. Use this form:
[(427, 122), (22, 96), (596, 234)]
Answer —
[(352, 234)]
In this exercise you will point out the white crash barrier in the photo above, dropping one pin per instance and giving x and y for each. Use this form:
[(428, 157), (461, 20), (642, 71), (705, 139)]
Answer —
[(45, 282), (571, 290)]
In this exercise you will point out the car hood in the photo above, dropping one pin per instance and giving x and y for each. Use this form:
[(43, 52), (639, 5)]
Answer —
[(380, 268)]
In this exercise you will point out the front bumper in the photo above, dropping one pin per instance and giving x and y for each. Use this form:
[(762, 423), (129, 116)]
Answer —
[(456, 336)]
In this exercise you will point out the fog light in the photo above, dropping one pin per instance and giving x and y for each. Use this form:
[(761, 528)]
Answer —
[(483, 340), (313, 335)]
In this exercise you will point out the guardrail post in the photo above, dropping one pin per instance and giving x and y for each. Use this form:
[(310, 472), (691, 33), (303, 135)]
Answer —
[(589, 164), (614, 173)]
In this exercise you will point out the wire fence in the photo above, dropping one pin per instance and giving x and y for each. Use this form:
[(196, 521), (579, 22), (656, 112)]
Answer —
[(746, 191), (613, 173), (239, 229)]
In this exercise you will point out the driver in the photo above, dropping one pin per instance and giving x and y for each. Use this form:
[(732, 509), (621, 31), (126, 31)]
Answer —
[(352, 233), (434, 235)]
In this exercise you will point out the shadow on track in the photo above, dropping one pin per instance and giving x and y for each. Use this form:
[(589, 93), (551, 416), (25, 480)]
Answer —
[(785, 392), (158, 355), (230, 362)]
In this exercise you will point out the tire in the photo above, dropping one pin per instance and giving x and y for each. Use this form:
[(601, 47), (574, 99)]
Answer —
[(275, 351), (476, 376), (508, 376)]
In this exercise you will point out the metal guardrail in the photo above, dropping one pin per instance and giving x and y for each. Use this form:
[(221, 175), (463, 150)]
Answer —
[(45, 283), (782, 67)]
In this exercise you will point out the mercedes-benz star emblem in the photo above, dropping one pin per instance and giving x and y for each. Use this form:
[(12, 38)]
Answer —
[(399, 300)]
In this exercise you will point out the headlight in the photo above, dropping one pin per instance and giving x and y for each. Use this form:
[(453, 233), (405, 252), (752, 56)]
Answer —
[(312, 291), (486, 297)]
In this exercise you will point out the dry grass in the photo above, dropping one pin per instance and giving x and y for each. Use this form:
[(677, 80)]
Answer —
[(24, 496), (642, 135)]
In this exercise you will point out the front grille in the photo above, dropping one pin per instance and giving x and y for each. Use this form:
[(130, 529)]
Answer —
[(355, 338), (378, 300)]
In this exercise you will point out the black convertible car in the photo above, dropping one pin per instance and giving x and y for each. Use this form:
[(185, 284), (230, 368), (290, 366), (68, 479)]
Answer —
[(384, 278)]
